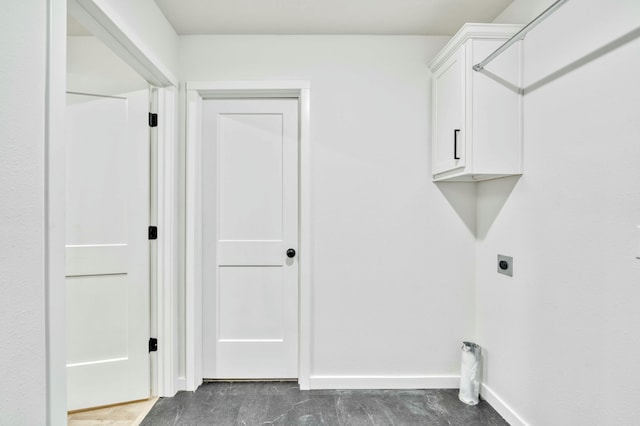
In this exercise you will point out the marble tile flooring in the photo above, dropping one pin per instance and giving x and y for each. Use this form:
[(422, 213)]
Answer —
[(283, 403)]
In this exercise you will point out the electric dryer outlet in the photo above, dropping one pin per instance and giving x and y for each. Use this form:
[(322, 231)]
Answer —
[(505, 265)]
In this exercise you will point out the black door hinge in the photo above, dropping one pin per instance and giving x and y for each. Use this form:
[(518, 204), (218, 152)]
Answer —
[(153, 120), (153, 232), (153, 344)]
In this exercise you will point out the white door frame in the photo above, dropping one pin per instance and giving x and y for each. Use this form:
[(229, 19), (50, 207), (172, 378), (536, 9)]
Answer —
[(89, 14), (164, 371), (196, 92)]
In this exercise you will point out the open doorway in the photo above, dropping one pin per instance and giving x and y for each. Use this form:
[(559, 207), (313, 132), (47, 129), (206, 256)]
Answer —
[(107, 207), (109, 24)]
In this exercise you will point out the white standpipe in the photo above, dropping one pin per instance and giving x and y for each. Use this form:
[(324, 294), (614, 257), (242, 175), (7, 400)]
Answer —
[(470, 373)]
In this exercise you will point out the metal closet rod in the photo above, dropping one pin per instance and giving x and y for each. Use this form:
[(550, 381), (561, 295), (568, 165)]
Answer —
[(519, 35)]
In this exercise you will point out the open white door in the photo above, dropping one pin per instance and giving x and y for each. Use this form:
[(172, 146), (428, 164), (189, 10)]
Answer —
[(107, 249), (251, 310)]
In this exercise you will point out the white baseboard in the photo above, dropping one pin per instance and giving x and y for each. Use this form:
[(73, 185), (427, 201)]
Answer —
[(501, 407), (181, 384), (384, 382), (414, 382)]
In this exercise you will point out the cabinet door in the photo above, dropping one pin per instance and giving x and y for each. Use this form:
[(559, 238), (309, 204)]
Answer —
[(448, 101)]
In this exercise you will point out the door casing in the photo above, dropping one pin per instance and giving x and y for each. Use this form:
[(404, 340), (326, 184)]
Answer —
[(196, 92)]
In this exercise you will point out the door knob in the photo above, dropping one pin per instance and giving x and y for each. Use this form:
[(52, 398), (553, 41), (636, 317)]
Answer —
[(291, 253)]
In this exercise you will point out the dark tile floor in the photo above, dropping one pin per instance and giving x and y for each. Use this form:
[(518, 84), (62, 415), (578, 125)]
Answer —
[(283, 403)]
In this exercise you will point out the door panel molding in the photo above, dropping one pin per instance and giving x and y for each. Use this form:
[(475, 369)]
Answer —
[(195, 93), (105, 259)]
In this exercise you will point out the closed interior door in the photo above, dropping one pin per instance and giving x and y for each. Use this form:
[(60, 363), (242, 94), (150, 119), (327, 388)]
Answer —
[(107, 254), (251, 299)]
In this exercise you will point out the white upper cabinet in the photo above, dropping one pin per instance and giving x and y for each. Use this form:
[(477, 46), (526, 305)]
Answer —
[(477, 116)]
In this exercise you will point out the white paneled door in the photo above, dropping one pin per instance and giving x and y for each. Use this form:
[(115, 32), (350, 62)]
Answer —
[(107, 249), (251, 315)]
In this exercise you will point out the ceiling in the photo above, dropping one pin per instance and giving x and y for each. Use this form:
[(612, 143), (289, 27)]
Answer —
[(402, 17)]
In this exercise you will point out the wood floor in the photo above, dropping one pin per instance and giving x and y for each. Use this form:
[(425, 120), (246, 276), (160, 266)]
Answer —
[(130, 414)]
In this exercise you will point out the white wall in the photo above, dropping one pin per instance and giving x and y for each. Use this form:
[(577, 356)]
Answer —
[(393, 270), (522, 12), (561, 337), (23, 43), (93, 68)]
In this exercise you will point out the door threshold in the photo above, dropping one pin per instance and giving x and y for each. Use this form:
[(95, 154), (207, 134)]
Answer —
[(249, 380)]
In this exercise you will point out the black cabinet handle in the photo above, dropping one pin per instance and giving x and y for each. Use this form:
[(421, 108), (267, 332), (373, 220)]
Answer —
[(291, 253), (455, 144)]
